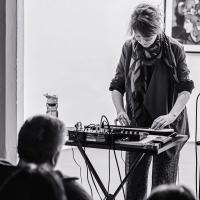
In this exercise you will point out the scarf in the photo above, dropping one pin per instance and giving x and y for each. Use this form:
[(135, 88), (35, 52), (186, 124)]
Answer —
[(137, 76)]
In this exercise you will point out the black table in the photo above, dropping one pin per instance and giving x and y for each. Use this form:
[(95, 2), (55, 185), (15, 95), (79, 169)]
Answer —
[(143, 148)]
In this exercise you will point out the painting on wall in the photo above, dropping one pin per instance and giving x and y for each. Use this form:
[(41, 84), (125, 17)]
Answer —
[(182, 22)]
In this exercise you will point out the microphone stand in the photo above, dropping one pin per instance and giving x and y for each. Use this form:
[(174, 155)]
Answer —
[(197, 143)]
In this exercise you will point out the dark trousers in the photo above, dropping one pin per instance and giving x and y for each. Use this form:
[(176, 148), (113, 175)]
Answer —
[(164, 171)]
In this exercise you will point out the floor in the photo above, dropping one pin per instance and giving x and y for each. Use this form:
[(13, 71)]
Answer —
[(72, 163)]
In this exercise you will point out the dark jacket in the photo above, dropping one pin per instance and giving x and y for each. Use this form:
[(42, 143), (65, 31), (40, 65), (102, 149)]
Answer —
[(73, 190), (173, 57)]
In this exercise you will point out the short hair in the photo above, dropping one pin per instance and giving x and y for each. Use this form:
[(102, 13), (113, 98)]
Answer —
[(172, 192), (32, 182), (146, 19), (39, 138)]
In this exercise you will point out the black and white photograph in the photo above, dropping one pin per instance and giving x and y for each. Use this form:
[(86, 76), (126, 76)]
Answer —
[(99, 100)]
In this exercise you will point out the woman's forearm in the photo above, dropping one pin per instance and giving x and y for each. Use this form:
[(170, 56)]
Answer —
[(180, 103), (164, 120), (118, 101)]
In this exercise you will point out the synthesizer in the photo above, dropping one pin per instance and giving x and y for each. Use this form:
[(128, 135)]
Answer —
[(110, 133)]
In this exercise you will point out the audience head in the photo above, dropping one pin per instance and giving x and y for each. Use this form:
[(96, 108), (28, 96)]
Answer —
[(40, 140), (171, 192), (31, 183)]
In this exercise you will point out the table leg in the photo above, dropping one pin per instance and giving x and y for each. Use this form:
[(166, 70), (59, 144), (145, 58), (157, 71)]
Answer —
[(93, 171), (131, 170)]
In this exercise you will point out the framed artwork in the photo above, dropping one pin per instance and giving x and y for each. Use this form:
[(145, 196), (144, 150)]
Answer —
[(182, 22)]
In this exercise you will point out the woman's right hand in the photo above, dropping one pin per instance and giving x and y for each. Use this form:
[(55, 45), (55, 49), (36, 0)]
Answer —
[(123, 119)]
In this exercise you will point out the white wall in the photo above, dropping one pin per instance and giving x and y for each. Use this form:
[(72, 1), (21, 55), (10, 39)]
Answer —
[(71, 49), (193, 60)]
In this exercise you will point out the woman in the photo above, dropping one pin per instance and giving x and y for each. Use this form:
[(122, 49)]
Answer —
[(153, 74)]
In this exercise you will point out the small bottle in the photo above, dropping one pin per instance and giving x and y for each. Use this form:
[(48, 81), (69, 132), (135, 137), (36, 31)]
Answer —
[(52, 105)]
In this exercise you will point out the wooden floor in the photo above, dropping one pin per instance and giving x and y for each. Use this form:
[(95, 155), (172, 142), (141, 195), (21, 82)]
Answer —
[(99, 159)]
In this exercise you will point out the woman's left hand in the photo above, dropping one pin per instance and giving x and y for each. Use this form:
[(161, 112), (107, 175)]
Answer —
[(163, 121)]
